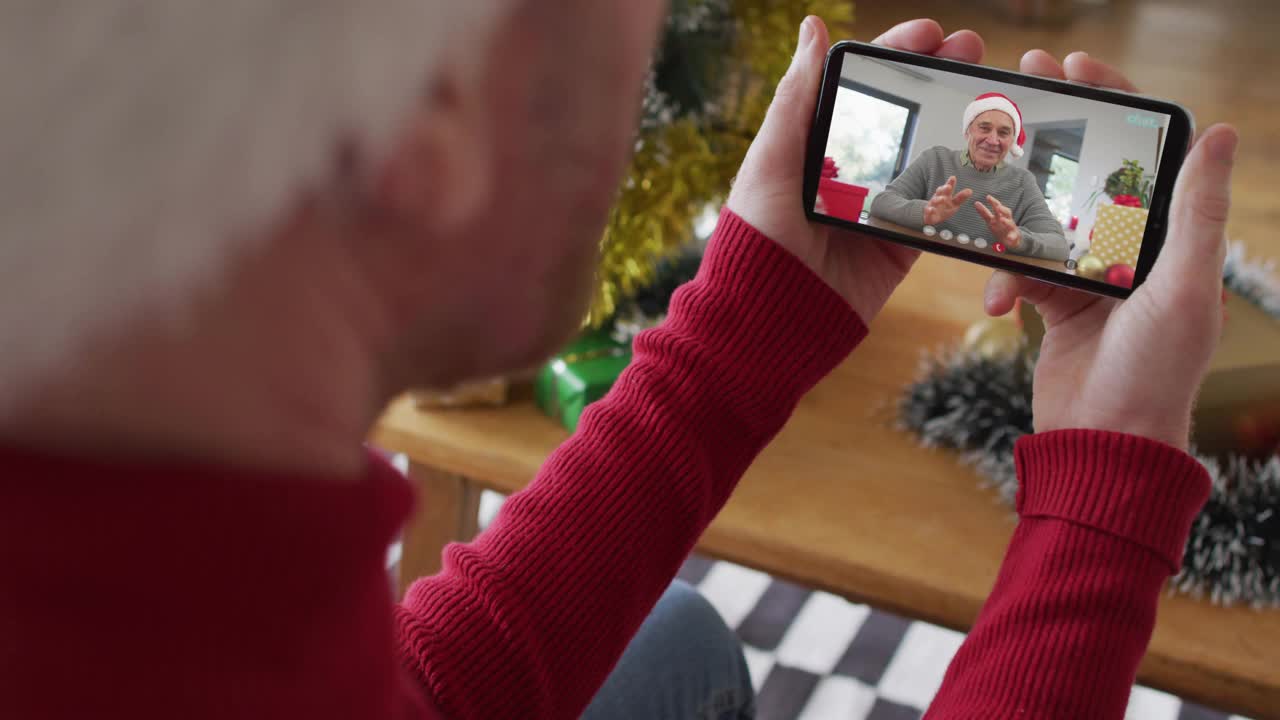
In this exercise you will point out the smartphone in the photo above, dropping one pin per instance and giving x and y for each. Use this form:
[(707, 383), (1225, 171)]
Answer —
[(1059, 181)]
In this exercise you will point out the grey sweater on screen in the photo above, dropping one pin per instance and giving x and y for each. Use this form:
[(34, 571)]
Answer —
[(904, 199)]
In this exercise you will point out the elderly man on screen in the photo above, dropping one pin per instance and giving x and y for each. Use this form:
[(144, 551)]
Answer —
[(1009, 211)]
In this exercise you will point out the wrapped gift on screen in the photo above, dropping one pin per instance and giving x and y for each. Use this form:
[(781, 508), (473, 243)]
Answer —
[(581, 374), (1117, 234)]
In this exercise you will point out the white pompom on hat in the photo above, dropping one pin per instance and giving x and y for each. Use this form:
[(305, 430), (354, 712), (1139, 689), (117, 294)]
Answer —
[(996, 101)]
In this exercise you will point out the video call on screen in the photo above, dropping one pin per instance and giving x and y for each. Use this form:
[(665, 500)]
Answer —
[(1071, 197)]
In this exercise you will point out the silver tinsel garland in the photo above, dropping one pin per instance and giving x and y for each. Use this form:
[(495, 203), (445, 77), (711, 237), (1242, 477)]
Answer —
[(980, 406), (686, 18), (1254, 280)]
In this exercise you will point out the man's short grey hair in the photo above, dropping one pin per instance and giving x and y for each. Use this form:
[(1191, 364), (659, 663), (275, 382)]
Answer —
[(143, 142)]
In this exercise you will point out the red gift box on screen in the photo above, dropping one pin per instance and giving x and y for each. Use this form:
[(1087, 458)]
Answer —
[(842, 200)]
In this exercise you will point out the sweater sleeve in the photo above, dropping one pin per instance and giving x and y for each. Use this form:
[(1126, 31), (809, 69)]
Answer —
[(528, 620), (1104, 519), (1041, 232), (904, 199)]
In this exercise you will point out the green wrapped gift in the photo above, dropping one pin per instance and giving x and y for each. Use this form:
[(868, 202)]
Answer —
[(581, 374)]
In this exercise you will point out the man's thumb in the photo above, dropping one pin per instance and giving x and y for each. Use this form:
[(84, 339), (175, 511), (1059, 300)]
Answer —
[(1195, 247), (786, 127)]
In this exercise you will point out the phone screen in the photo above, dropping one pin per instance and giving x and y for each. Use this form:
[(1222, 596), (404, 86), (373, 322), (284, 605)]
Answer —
[(1032, 176)]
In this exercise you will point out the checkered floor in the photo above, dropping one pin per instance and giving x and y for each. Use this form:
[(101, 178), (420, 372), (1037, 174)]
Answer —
[(814, 655)]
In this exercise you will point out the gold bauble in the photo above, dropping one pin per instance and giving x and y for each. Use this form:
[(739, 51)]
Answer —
[(993, 338), (1092, 267), (475, 393)]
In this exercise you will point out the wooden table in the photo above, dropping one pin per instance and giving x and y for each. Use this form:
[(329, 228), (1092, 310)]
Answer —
[(844, 502)]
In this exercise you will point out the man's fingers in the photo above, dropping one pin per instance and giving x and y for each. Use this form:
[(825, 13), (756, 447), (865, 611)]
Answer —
[(925, 36), (963, 195), (963, 45), (1000, 295), (1196, 244), (1004, 289), (1081, 68), (948, 190), (778, 150), (1039, 62), (984, 212), (1000, 208), (919, 36), (1054, 303)]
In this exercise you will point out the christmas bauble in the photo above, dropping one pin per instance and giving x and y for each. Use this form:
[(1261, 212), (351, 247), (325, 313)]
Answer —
[(994, 337), (472, 393), (1257, 433), (1120, 274), (1092, 267)]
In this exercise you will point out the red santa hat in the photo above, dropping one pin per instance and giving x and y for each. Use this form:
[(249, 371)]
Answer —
[(996, 101)]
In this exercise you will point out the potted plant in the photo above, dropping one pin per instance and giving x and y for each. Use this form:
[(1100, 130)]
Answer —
[(1131, 184)]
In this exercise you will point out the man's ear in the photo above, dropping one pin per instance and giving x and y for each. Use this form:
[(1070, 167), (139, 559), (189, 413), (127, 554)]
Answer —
[(439, 171)]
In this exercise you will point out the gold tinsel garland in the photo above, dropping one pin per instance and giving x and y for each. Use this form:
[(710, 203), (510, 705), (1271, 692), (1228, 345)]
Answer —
[(681, 169)]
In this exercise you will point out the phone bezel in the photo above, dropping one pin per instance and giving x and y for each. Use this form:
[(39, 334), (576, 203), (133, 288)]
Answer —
[(1181, 131)]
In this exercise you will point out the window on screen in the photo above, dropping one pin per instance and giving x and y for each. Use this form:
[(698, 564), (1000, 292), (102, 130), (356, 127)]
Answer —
[(1062, 182), (871, 133)]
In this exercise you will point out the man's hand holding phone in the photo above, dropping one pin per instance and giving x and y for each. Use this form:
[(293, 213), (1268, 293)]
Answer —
[(1129, 367), (1134, 366), (863, 269)]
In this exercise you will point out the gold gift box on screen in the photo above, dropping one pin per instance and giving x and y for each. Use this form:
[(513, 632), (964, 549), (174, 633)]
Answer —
[(1117, 234)]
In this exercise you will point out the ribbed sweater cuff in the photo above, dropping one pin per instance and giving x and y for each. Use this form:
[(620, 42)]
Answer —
[(915, 209), (759, 304), (1132, 487)]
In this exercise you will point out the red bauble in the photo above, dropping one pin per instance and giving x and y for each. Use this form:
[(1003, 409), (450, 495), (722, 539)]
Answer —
[(998, 247), (1257, 434), (1121, 275)]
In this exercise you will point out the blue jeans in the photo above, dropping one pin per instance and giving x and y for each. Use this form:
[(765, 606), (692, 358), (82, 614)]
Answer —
[(683, 664)]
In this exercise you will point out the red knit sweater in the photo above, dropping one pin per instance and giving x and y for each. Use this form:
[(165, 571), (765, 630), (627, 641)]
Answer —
[(148, 591)]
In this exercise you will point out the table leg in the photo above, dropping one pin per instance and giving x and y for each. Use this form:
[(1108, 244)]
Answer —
[(448, 511)]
